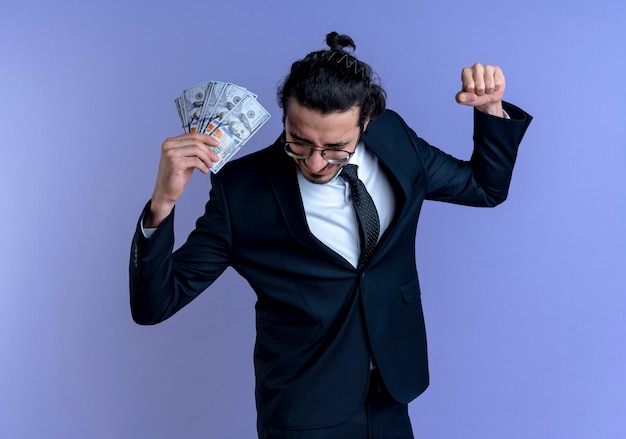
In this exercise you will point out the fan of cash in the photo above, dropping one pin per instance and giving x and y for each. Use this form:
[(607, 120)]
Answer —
[(228, 112)]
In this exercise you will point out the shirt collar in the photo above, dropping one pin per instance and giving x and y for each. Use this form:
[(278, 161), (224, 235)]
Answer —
[(355, 159)]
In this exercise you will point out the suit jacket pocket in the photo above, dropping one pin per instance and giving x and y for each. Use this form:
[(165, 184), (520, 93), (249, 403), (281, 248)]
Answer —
[(410, 291)]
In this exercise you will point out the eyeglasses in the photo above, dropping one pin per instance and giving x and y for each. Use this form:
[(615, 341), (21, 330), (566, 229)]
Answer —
[(303, 151)]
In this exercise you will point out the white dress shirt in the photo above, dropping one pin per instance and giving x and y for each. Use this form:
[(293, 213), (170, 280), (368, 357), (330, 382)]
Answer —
[(329, 211)]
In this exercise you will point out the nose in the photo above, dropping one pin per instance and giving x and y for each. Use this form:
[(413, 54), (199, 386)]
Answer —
[(316, 161)]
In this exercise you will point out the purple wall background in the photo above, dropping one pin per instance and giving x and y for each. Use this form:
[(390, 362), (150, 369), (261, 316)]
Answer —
[(524, 304)]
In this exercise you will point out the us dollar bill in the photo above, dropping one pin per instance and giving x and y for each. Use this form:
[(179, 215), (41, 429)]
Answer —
[(193, 100), (179, 109), (229, 96), (228, 112), (236, 127), (212, 97)]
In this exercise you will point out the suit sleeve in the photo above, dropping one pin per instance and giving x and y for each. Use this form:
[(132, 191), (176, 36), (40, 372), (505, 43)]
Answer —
[(163, 281), (483, 180)]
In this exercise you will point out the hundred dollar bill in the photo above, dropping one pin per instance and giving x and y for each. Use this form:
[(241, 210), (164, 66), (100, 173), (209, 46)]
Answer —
[(236, 127), (193, 104), (179, 108), (230, 96), (212, 97)]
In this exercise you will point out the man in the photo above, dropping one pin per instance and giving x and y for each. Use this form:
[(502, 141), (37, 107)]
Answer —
[(340, 348)]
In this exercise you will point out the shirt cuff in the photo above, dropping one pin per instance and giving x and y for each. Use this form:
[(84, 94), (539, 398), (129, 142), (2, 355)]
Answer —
[(146, 231)]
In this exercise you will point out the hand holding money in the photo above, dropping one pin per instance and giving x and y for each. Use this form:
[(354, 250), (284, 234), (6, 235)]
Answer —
[(218, 119), (226, 111)]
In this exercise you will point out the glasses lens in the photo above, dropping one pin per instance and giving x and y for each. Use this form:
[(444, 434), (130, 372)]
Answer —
[(296, 150), (336, 156)]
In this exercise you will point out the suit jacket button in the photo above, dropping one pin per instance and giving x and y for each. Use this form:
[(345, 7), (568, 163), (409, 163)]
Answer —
[(362, 275)]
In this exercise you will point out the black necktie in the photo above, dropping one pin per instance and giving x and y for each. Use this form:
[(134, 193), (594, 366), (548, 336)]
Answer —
[(366, 212)]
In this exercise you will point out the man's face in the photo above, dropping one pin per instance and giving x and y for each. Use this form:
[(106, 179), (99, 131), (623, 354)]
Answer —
[(321, 131)]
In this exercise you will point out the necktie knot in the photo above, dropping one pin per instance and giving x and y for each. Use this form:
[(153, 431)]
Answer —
[(367, 215), (349, 172)]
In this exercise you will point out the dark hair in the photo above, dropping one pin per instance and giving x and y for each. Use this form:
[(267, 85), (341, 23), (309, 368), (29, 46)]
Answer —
[(334, 80)]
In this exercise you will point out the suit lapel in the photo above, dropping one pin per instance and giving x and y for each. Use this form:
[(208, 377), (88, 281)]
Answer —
[(284, 182), (375, 141)]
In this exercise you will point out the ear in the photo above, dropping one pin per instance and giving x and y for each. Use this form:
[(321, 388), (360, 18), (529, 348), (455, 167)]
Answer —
[(366, 123)]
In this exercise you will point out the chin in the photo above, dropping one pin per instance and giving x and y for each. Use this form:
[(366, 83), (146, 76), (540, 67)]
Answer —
[(319, 178)]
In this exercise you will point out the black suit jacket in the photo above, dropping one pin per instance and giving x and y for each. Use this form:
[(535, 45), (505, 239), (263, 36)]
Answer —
[(319, 319)]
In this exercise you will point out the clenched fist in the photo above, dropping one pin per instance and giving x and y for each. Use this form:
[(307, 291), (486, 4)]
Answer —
[(482, 87)]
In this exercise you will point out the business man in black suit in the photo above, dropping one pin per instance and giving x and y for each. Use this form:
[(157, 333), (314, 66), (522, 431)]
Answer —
[(340, 348)]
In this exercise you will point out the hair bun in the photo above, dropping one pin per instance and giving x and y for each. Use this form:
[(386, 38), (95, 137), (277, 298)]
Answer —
[(339, 42)]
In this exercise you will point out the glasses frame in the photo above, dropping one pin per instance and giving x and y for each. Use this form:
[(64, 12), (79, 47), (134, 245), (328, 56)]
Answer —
[(322, 151)]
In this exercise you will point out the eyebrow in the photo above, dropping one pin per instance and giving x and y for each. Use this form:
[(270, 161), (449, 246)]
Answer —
[(328, 145)]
